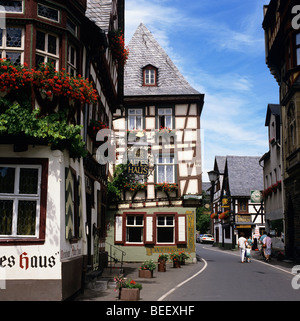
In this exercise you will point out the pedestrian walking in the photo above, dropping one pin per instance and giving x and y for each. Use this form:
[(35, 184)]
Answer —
[(254, 246), (242, 246), (267, 245), (261, 241)]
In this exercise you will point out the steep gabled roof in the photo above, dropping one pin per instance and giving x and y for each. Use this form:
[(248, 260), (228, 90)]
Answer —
[(145, 50), (244, 175), (99, 12), (220, 164)]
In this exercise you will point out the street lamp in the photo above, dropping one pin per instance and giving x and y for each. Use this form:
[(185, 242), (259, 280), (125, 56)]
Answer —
[(213, 176)]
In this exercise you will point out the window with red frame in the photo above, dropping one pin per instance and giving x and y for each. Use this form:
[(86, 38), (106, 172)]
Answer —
[(150, 76)]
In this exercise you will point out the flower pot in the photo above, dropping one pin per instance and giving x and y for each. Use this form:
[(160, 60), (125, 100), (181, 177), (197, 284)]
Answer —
[(127, 294), (161, 267), (176, 264), (145, 274)]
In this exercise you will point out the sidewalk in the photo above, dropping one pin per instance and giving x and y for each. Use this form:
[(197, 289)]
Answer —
[(162, 282), (153, 288)]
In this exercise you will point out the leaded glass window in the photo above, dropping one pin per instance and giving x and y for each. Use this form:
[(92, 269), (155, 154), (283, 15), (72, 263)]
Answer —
[(47, 48), (12, 44), (19, 200), (48, 12), (11, 6)]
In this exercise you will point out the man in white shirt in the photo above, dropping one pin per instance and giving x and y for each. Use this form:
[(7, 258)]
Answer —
[(242, 246)]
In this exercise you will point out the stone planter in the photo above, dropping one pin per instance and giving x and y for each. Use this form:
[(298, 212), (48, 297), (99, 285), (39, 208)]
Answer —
[(145, 274), (127, 294), (161, 267)]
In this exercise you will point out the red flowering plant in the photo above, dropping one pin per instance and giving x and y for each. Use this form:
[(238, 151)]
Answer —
[(51, 83), (165, 130), (121, 282), (135, 186), (13, 77), (166, 187), (120, 52), (95, 126)]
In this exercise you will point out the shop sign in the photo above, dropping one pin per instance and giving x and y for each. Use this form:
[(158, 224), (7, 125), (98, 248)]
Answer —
[(138, 168)]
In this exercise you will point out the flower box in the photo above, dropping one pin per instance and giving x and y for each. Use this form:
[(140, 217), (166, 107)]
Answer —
[(127, 294), (145, 274)]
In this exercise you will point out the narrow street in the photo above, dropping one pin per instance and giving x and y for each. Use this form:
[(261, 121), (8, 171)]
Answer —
[(226, 279)]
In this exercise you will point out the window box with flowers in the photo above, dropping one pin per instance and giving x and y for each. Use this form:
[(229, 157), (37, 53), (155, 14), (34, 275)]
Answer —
[(94, 127), (119, 51), (52, 87), (134, 188), (170, 189), (272, 189), (224, 215), (214, 216), (165, 134), (44, 125)]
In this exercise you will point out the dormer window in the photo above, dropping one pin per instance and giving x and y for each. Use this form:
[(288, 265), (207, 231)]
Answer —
[(150, 76)]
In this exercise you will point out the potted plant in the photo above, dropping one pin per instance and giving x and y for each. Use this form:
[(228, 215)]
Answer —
[(183, 256), (162, 259), (175, 259), (129, 290), (146, 269)]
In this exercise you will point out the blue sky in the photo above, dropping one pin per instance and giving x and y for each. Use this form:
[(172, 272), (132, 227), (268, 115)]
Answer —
[(219, 47)]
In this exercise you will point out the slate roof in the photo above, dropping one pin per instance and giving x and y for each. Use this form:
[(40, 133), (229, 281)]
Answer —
[(244, 174), (274, 109), (99, 12), (220, 164), (145, 50)]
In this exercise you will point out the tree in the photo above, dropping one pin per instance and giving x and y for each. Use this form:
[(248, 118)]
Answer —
[(203, 219)]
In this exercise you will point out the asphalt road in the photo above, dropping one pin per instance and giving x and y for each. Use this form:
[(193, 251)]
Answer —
[(226, 279)]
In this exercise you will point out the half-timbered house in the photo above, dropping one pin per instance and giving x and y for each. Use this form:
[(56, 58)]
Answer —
[(52, 189), (158, 141), (239, 207)]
